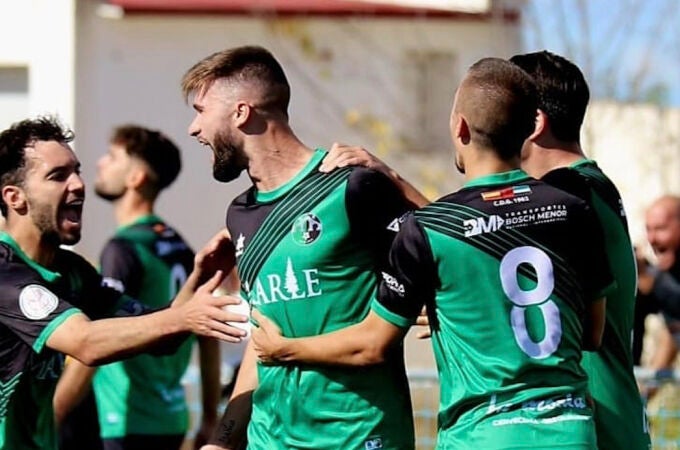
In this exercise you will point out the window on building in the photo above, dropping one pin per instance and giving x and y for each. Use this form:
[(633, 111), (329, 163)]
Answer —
[(13, 95), (430, 80)]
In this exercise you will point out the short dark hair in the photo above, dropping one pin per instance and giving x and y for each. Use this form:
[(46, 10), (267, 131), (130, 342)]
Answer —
[(15, 140), (154, 148), (563, 92), (498, 100), (247, 63)]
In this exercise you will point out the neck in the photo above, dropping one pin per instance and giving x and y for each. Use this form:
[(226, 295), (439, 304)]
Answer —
[(548, 154), (130, 207), (31, 242), (486, 163), (276, 157)]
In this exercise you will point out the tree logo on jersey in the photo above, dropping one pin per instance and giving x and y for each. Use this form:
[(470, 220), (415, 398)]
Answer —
[(293, 284), (240, 244), (479, 225), (306, 229), (37, 302)]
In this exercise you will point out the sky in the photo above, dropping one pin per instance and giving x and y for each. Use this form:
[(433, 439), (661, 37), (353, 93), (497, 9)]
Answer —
[(628, 49)]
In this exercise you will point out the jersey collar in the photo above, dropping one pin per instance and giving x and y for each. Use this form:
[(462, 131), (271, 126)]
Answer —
[(143, 220), (268, 196), (583, 162), (45, 273), (510, 177)]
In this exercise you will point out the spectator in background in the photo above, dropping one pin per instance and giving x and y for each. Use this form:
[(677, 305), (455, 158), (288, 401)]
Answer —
[(141, 401), (659, 284)]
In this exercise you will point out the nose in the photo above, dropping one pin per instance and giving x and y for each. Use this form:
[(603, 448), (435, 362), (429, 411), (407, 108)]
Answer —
[(76, 183), (194, 129)]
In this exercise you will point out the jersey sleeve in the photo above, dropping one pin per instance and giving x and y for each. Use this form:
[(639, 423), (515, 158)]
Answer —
[(120, 267), (29, 308), (376, 208), (409, 280), (596, 273)]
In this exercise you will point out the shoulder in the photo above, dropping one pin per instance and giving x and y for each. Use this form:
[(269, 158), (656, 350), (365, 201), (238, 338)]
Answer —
[(364, 184)]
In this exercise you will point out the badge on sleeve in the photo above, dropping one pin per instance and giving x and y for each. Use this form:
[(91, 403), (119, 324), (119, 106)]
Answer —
[(37, 302)]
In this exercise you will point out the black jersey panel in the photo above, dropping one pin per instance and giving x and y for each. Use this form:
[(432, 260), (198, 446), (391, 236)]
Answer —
[(375, 208)]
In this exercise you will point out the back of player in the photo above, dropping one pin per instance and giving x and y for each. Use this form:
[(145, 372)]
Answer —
[(610, 369), (143, 395), (506, 267)]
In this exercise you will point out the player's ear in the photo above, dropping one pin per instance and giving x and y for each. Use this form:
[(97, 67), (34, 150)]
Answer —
[(136, 177), (242, 114), (15, 198), (462, 130), (540, 126)]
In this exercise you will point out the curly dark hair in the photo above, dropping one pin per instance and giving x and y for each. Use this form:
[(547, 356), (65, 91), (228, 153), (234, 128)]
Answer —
[(15, 140)]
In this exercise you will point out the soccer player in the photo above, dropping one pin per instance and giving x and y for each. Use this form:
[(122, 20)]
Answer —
[(140, 400), (553, 153), (510, 269), (309, 246), (46, 289)]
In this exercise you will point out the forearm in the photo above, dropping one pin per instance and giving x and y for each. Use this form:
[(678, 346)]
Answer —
[(74, 384), (412, 194), (665, 351), (101, 341), (362, 344), (232, 431), (594, 325), (209, 356)]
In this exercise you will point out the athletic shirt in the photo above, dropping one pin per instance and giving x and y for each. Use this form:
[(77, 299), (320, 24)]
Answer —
[(506, 267), (619, 414), (35, 301), (142, 395), (308, 255)]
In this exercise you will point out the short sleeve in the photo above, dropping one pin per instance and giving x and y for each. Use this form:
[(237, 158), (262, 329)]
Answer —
[(120, 267), (596, 273), (376, 208), (29, 307), (409, 280)]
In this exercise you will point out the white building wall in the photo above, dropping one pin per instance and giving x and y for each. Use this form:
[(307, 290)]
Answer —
[(129, 70)]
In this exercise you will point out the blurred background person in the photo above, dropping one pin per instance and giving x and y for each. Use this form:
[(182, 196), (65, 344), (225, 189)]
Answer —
[(141, 401)]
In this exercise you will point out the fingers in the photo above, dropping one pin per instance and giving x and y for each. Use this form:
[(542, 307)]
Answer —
[(212, 283), (424, 334), (342, 155), (224, 332)]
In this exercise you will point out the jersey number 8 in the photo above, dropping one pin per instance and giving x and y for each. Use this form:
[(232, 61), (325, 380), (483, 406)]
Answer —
[(521, 299)]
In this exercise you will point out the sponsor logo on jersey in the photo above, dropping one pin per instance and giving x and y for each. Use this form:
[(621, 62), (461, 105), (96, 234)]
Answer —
[(306, 229), (240, 244), (373, 444), (393, 284), (294, 284), (37, 302), (537, 215), (395, 225), (506, 196), (480, 225)]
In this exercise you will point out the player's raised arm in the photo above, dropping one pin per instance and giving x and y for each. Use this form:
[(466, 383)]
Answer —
[(100, 341)]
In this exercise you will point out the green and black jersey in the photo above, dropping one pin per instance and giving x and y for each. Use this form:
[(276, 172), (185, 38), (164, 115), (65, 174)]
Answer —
[(308, 255), (506, 267), (34, 301), (619, 414), (149, 261)]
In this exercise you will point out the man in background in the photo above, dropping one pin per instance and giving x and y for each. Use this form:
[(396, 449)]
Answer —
[(141, 401)]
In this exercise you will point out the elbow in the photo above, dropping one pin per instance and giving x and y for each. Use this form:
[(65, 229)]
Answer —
[(370, 355)]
